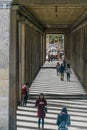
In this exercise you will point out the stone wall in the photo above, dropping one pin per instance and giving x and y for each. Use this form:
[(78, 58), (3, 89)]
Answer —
[(4, 38), (4, 66), (33, 53), (79, 51), (25, 56)]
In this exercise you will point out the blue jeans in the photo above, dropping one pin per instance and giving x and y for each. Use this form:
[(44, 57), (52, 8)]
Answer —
[(68, 76), (39, 121)]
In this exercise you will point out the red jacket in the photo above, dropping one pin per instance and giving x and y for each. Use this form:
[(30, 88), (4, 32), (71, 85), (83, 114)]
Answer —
[(23, 90)]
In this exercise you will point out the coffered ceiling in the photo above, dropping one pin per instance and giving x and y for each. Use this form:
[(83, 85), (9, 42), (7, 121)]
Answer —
[(55, 14)]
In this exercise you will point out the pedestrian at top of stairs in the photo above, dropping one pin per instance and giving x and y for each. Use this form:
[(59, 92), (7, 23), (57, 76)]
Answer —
[(57, 67), (68, 72), (61, 70)]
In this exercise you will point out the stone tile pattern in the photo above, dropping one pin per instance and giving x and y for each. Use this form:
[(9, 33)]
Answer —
[(4, 37), (4, 63), (51, 83)]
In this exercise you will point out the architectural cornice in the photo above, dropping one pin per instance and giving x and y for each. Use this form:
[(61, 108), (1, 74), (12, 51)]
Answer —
[(52, 2), (82, 21), (57, 30), (27, 16)]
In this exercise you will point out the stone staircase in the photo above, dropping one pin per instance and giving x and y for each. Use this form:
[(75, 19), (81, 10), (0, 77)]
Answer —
[(27, 115), (58, 94)]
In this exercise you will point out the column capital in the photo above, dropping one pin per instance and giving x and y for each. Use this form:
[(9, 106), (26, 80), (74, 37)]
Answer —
[(14, 8)]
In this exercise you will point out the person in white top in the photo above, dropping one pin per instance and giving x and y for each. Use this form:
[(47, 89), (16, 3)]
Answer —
[(68, 72)]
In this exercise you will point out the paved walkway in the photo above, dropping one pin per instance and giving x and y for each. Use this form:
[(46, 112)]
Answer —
[(49, 83)]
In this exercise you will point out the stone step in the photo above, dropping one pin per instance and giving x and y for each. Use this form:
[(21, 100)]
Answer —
[(58, 94), (49, 83), (27, 115)]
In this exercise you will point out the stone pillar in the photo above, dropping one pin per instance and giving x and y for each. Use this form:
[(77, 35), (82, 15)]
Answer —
[(28, 54), (79, 54), (85, 61), (44, 47), (4, 63), (41, 40), (67, 45), (79, 60), (13, 66), (23, 53), (21, 28)]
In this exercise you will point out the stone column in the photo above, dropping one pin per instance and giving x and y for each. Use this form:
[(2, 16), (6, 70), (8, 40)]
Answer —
[(13, 66), (21, 28), (41, 40), (80, 53), (85, 60), (44, 47), (67, 45), (23, 53)]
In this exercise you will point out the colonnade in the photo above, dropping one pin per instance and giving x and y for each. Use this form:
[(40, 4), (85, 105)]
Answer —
[(28, 53), (79, 49)]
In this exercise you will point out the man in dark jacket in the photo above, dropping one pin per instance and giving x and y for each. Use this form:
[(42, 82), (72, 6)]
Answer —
[(61, 70), (63, 120)]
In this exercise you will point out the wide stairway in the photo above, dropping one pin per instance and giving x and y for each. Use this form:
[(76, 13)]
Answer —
[(58, 94)]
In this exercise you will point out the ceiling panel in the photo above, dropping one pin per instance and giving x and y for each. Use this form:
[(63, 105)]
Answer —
[(56, 15)]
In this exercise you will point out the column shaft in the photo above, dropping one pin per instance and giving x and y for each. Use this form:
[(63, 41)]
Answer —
[(13, 74)]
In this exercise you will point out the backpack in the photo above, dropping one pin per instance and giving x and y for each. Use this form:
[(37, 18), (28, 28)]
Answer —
[(61, 69), (62, 118), (23, 90)]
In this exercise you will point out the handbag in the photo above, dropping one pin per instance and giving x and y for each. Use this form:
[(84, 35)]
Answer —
[(45, 109)]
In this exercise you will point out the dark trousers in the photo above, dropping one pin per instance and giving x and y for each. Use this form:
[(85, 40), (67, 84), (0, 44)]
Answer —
[(68, 76)]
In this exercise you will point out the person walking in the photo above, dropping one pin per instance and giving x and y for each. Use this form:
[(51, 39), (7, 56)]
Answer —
[(51, 57), (41, 104), (61, 70), (25, 93), (64, 62), (63, 119), (68, 72), (57, 67)]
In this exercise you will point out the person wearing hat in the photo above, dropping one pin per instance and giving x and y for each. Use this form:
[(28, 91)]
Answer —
[(63, 119), (40, 104)]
